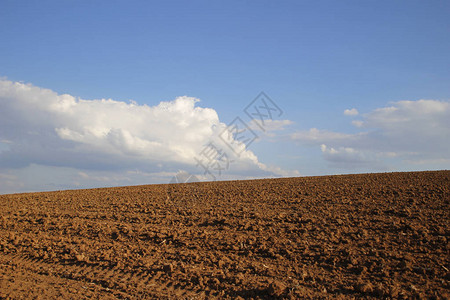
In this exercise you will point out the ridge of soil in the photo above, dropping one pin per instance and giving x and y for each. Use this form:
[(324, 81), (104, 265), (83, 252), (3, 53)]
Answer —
[(346, 236)]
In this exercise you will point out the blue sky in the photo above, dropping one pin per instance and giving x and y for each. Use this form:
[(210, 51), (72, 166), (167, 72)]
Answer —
[(315, 59)]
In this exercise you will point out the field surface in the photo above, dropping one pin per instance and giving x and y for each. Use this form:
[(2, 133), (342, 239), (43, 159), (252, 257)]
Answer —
[(350, 236)]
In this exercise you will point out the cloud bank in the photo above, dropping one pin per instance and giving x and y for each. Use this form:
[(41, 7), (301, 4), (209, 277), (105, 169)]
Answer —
[(40, 127), (406, 132)]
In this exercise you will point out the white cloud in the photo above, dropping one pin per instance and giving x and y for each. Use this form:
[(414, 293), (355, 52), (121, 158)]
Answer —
[(389, 154), (351, 112), (317, 136), (344, 155), (358, 123), (406, 131), (270, 125), (281, 172), (46, 129)]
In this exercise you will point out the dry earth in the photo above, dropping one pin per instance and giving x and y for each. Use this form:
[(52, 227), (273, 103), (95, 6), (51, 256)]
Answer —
[(351, 236)]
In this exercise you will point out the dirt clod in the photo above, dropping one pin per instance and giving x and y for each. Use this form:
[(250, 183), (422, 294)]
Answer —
[(277, 288)]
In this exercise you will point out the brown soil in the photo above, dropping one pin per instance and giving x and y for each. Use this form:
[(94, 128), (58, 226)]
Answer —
[(352, 236)]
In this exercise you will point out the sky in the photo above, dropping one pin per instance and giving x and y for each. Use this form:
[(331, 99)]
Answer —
[(114, 93)]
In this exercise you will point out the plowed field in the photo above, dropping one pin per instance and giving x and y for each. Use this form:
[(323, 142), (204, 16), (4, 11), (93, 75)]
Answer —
[(349, 236)]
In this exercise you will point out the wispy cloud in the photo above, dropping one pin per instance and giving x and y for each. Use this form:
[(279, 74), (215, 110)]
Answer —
[(316, 136), (271, 125)]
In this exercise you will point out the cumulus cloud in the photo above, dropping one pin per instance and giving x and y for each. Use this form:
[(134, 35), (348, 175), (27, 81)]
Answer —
[(39, 126), (351, 112), (409, 131)]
